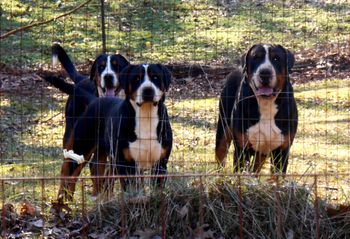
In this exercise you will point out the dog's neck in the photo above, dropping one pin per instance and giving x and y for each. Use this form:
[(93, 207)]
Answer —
[(146, 120), (267, 108)]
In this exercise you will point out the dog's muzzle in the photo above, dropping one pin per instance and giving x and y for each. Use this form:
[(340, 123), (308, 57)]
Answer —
[(265, 77), (109, 88), (148, 95), (264, 87)]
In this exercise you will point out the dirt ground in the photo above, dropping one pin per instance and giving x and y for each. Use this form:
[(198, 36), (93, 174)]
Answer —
[(331, 61)]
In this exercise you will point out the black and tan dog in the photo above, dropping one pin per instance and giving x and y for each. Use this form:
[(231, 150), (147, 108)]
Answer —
[(258, 110), (134, 132), (102, 82)]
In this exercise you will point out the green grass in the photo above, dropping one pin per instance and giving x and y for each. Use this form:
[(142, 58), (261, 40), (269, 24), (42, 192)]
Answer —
[(321, 145), (163, 31)]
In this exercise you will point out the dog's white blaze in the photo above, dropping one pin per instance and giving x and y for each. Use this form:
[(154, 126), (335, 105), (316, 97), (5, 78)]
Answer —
[(108, 71), (146, 150), (265, 136), (54, 60), (265, 65), (145, 84)]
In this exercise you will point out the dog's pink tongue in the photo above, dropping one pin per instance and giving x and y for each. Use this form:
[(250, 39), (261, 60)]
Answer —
[(110, 93), (265, 91)]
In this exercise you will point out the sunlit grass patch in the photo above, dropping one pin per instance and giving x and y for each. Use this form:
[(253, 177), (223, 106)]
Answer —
[(34, 146), (194, 124), (163, 31)]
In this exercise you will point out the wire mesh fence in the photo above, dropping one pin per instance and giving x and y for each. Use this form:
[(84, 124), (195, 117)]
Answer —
[(200, 42)]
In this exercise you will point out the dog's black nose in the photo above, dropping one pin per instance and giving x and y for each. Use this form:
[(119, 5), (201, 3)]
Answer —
[(265, 76), (109, 83), (148, 94)]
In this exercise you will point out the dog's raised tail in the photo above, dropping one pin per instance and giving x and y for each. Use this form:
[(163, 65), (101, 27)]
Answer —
[(60, 84), (60, 55), (69, 89)]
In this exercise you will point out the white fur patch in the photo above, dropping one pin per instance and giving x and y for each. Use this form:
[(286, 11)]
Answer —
[(265, 136), (265, 65), (146, 150), (109, 71), (54, 60)]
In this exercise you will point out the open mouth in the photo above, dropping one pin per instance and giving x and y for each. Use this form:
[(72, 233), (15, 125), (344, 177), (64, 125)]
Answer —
[(265, 91), (109, 92)]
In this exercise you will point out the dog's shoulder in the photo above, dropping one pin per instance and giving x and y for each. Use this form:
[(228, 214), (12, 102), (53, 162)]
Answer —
[(233, 80), (102, 107)]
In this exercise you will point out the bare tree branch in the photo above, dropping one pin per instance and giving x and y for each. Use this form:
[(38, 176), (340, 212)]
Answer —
[(43, 22)]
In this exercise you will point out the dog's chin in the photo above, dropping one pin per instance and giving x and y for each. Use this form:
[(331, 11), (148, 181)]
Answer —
[(265, 92), (153, 103)]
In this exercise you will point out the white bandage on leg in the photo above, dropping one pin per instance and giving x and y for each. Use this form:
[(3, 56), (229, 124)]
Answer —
[(70, 154)]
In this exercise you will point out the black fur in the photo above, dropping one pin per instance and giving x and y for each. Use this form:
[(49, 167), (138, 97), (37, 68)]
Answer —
[(83, 91), (111, 123), (239, 110), (75, 106), (67, 64)]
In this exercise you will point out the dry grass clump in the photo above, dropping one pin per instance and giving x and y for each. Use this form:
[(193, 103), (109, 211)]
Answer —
[(221, 209)]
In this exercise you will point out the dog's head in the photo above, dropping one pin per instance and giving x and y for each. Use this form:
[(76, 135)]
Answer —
[(145, 83), (105, 73), (267, 68)]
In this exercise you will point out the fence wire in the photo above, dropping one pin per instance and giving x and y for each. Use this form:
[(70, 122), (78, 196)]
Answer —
[(200, 42)]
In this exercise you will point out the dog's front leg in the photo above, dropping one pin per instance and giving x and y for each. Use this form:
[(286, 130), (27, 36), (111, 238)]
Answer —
[(69, 172), (240, 159), (97, 168), (279, 160), (160, 169)]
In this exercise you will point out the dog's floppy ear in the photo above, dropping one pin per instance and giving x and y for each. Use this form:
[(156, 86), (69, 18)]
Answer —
[(244, 58), (124, 79), (123, 62), (94, 68), (166, 76), (289, 58)]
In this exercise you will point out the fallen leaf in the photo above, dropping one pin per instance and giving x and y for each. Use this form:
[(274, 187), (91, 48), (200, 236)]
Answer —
[(290, 234), (184, 210), (27, 209), (145, 234), (341, 210), (38, 223), (202, 232)]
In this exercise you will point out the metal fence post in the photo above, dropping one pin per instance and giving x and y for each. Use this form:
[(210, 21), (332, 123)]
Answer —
[(103, 27)]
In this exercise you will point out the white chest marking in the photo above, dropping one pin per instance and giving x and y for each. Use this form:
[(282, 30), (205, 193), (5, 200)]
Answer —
[(146, 150), (265, 136)]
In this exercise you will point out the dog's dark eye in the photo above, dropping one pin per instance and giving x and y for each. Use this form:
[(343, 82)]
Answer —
[(258, 56), (114, 62), (276, 59)]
